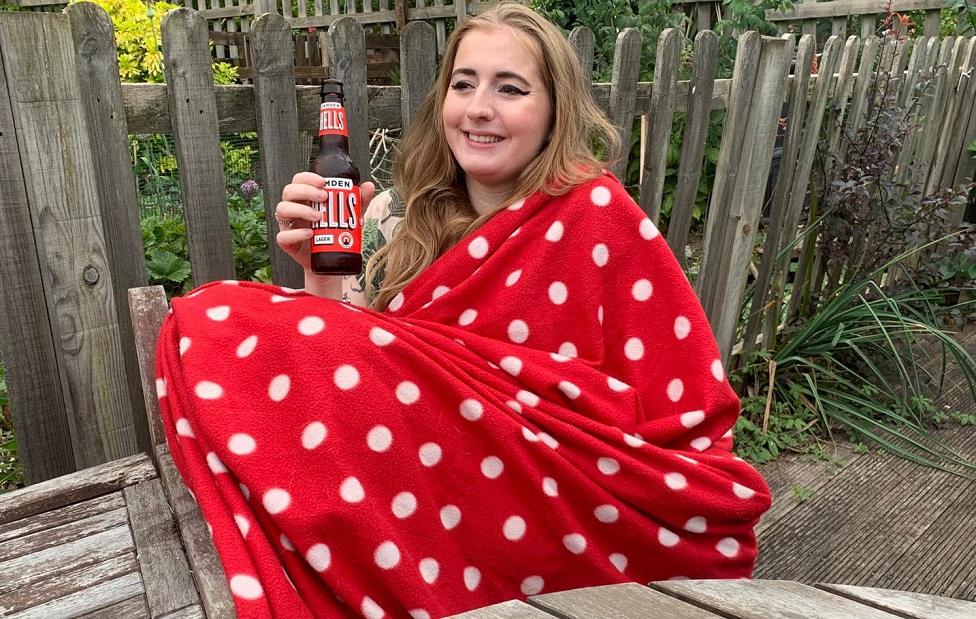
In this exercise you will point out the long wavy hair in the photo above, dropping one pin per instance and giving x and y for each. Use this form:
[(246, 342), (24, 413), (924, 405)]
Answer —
[(429, 180)]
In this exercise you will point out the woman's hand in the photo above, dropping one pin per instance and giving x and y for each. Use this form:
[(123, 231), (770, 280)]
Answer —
[(295, 216)]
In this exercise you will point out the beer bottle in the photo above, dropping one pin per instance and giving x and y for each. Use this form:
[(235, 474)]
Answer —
[(337, 239)]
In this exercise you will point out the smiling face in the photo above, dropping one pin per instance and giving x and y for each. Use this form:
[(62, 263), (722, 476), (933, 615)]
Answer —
[(497, 112)]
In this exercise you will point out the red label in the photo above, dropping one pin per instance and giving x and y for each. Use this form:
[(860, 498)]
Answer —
[(340, 229), (332, 119)]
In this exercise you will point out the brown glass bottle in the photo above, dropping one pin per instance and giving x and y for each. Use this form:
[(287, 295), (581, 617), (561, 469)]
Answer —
[(336, 247)]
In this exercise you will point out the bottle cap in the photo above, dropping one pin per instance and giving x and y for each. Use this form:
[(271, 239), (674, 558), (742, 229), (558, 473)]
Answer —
[(331, 87)]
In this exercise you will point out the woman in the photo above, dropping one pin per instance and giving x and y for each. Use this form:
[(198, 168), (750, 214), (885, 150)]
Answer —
[(528, 398)]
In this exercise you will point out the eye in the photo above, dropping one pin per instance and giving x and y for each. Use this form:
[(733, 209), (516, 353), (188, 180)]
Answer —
[(508, 89), (461, 85)]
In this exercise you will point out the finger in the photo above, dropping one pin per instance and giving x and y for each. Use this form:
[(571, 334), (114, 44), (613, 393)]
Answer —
[(368, 190), (301, 192), (308, 178), (291, 240), (297, 213)]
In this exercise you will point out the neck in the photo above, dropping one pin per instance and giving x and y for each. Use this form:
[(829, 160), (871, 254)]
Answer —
[(487, 199)]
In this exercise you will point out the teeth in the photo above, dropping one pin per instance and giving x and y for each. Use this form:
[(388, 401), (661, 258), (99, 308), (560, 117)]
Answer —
[(484, 139)]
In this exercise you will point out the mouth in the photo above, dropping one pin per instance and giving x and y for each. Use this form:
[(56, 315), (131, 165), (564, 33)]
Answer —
[(485, 139)]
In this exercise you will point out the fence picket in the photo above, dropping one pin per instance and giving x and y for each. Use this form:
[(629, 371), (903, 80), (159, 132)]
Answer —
[(418, 67), (784, 208), (623, 91), (26, 333), (347, 57), (62, 196), (277, 115), (926, 169), (655, 147), (954, 128), (581, 38), (193, 110), (693, 140), (842, 94), (101, 94)]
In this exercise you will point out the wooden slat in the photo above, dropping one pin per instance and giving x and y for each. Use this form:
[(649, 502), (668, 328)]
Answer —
[(697, 119), (63, 198), (581, 38), (627, 601), (169, 586), (60, 516), (868, 27), (809, 10), (623, 91), (148, 306), (838, 26), (204, 562), (193, 109), (347, 56), (32, 374), (277, 115), (933, 112), (932, 22), (67, 582), (734, 214), (418, 67), (958, 164), (755, 599), (57, 535), (858, 105), (91, 599), (950, 142), (26, 570), (133, 607), (513, 609), (655, 146), (906, 603), (190, 612), (786, 206), (75, 487), (101, 94)]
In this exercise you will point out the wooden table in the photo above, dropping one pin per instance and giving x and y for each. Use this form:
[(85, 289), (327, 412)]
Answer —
[(731, 599)]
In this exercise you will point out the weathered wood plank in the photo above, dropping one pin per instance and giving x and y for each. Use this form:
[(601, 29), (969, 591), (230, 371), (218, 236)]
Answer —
[(75, 487), (785, 206), (32, 374), (655, 147), (63, 202), (277, 115), (26, 570), (133, 607), (61, 534), (627, 601), (513, 609), (60, 516), (760, 599), (810, 10), (418, 68), (91, 599), (148, 307), (193, 109), (347, 57), (950, 142), (208, 574), (582, 40), (623, 91), (865, 75), (169, 586), (190, 612), (64, 583), (744, 162), (905, 603), (101, 94), (699, 99)]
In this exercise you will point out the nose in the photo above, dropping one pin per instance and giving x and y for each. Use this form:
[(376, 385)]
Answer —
[(480, 105)]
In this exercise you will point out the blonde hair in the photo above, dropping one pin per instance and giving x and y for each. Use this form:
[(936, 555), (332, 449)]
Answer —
[(431, 183)]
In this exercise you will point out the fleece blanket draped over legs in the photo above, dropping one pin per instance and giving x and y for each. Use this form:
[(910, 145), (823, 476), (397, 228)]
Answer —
[(543, 408)]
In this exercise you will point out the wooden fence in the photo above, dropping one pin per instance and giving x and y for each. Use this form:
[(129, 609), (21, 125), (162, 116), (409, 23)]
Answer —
[(70, 243)]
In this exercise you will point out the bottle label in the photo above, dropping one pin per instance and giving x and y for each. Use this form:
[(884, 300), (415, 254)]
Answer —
[(332, 119), (339, 230)]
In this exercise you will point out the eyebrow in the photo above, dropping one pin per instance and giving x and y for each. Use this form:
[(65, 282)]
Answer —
[(499, 75)]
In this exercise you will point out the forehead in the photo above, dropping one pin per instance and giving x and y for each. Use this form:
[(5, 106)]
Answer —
[(491, 49)]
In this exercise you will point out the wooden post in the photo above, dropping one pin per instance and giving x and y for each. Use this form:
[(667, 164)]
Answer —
[(347, 55), (662, 118), (27, 334), (623, 92), (932, 22), (276, 109), (62, 199), (193, 109), (868, 26), (460, 12), (101, 93), (581, 38), (418, 67), (700, 89), (401, 15), (703, 11), (838, 26), (754, 107)]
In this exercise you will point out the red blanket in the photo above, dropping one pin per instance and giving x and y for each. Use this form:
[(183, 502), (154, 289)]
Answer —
[(542, 409)]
